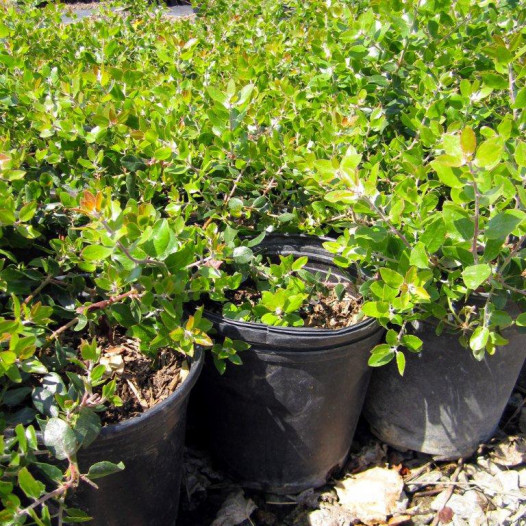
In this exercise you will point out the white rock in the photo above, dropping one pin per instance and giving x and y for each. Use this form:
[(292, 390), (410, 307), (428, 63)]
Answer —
[(465, 507), (489, 466), (511, 452), (487, 483), (333, 516), (510, 495), (373, 495), (235, 510), (498, 517)]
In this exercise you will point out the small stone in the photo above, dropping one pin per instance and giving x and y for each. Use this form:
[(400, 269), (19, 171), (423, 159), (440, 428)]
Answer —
[(333, 516), (510, 453), (498, 517), (510, 495), (446, 515), (373, 495), (464, 506)]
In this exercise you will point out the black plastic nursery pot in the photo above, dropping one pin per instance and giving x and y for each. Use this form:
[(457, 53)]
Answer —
[(447, 402), (285, 419), (521, 381), (146, 492)]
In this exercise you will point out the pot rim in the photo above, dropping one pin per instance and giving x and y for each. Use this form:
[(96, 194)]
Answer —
[(296, 331), (293, 331), (175, 398)]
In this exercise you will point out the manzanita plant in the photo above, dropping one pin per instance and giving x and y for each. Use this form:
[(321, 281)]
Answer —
[(127, 139), (284, 293), (458, 236)]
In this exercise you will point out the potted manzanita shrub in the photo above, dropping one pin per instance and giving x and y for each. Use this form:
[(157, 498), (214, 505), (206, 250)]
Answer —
[(98, 353), (446, 251), (285, 419)]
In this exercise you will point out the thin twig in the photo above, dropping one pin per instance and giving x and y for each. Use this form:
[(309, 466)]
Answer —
[(42, 500), (58, 332), (418, 472), (135, 391), (513, 289), (133, 293), (389, 224), (234, 187), (82, 310), (474, 245), (44, 283), (450, 490), (511, 81)]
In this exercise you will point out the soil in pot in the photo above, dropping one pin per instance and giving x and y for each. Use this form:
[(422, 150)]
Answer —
[(324, 311), (284, 420), (140, 385), (447, 402), (146, 434)]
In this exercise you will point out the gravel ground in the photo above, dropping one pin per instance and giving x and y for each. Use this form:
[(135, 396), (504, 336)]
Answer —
[(75, 12), (378, 486)]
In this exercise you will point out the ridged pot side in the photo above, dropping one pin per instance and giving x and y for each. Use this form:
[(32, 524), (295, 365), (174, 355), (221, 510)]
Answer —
[(146, 492), (447, 402), (285, 419)]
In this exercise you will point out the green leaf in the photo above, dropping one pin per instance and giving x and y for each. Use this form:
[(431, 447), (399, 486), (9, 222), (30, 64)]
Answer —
[(103, 469), (495, 81), (520, 100), (446, 174), (294, 302), (341, 196), (475, 275), (162, 236), (4, 30), (51, 472), (88, 350), (489, 152), (162, 154), (503, 224), (60, 438), (521, 320), (300, 263), (459, 223), (392, 278), (468, 141), (381, 355), (375, 309), (87, 426), (133, 163), (235, 205), (216, 95), (413, 343), (479, 338), (434, 235), (123, 314), (27, 211), (400, 362), (286, 217), (75, 516), (96, 253), (29, 485), (419, 257), (242, 255)]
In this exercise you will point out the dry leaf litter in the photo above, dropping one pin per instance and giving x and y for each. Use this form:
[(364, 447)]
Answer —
[(378, 486)]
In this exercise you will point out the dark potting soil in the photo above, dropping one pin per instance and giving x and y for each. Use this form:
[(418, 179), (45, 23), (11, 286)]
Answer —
[(140, 383), (322, 312)]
